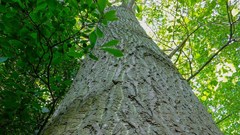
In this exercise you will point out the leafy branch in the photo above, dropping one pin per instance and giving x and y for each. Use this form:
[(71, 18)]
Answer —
[(230, 41)]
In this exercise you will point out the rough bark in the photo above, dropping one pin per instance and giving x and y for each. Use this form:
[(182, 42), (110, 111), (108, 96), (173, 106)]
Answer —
[(141, 93)]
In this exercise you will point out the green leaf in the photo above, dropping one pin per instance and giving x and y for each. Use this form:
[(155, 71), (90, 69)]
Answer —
[(3, 9), (52, 4), (181, 1), (99, 33), (92, 56), (76, 54), (16, 43), (193, 2), (113, 51), (41, 6), (110, 43), (93, 38), (101, 5), (89, 2), (2, 59), (34, 35), (110, 15), (34, 16), (73, 3)]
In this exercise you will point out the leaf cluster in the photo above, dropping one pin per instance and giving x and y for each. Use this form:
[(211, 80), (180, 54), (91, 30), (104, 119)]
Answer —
[(41, 45)]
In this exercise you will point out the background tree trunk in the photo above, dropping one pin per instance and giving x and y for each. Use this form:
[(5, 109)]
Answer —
[(141, 93)]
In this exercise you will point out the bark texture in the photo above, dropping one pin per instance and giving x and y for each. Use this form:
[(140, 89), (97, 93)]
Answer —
[(141, 93)]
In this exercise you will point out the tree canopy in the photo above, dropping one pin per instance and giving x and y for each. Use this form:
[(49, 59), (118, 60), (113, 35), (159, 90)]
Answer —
[(42, 43)]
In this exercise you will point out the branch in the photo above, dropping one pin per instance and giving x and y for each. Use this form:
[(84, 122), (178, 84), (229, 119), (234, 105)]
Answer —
[(70, 37), (48, 73), (224, 118), (182, 44), (190, 62), (37, 27), (48, 116), (130, 4), (174, 23), (229, 21), (230, 40), (204, 65), (178, 57)]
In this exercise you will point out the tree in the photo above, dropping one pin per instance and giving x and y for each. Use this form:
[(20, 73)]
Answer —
[(140, 93), (42, 44)]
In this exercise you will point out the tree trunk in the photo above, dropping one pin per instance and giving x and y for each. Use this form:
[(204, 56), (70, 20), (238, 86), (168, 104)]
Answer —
[(141, 93)]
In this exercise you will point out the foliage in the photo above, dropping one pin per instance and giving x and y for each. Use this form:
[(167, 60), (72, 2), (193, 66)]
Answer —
[(206, 36), (43, 41), (41, 44)]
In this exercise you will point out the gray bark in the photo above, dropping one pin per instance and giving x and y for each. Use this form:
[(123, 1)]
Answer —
[(141, 93)]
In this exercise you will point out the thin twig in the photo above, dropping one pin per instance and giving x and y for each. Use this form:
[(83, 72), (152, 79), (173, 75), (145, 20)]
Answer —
[(70, 37), (180, 52), (230, 40), (223, 118), (48, 116), (229, 21), (174, 23), (209, 60), (189, 61), (181, 45)]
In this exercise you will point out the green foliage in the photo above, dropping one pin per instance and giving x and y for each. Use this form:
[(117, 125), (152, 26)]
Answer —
[(108, 47), (113, 51), (41, 43), (110, 16), (216, 85), (110, 43), (102, 5)]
